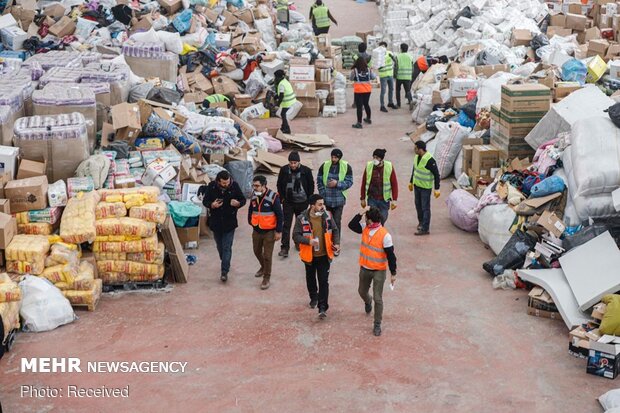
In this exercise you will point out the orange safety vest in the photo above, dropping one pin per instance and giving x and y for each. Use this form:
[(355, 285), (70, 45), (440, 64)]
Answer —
[(263, 215), (372, 254), (362, 84), (422, 63), (305, 250)]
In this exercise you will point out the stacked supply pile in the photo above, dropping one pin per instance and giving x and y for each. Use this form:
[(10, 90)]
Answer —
[(522, 107), (127, 248), (61, 140), (349, 46), (26, 254), (10, 298), (38, 222), (151, 60), (11, 109)]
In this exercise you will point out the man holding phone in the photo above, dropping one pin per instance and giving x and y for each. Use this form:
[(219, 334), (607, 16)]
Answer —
[(223, 198)]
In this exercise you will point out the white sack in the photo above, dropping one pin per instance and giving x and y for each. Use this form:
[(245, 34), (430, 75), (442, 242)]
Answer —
[(449, 139), (494, 225)]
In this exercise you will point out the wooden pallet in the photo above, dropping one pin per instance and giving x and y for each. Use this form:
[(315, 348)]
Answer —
[(135, 285), (89, 307)]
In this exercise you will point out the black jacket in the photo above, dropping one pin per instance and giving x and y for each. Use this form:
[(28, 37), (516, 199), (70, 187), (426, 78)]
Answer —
[(307, 181), (224, 218)]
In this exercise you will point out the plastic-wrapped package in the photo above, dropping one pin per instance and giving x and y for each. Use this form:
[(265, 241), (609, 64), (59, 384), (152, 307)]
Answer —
[(62, 253), (83, 297), (113, 256), (47, 215), (494, 224), (28, 248), (125, 226), (35, 228), (9, 290), (61, 273), (61, 140), (145, 244), (10, 316), (461, 206), (43, 306), (57, 194), (130, 267), (78, 220), (182, 141), (25, 267), (151, 212), (150, 194), (79, 185), (449, 143), (110, 210), (151, 60), (148, 257)]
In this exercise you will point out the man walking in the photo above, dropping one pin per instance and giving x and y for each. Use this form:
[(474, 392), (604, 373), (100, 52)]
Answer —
[(223, 198), (423, 176), (386, 77), (404, 74), (285, 98), (295, 185), (320, 17), (333, 180), (376, 255), (318, 238), (265, 217), (379, 186)]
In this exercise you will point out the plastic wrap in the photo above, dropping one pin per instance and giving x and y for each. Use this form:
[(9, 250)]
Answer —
[(10, 316), (47, 215), (78, 221), (461, 206), (153, 212), (130, 267), (28, 248), (146, 244), (494, 224), (62, 253), (43, 307), (85, 297), (35, 228), (110, 210), (125, 226), (65, 273), (150, 194), (9, 290), (148, 257)]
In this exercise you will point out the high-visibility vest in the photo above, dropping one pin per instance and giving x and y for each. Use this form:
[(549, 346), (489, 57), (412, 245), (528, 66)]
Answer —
[(263, 215), (282, 5), (362, 84), (305, 250), (387, 173), (422, 63), (217, 98), (405, 69), (387, 70), (321, 17), (372, 254), (342, 172), (422, 177), (289, 94)]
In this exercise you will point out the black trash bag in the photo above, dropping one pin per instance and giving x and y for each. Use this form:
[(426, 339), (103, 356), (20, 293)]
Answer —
[(539, 41), (164, 95), (512, 256), (584, 235), (431, 120), (140, 91), (121, 148), (614, 114), (484, 58), (122, 13), (466, 12), (242, 173), (470, 108)]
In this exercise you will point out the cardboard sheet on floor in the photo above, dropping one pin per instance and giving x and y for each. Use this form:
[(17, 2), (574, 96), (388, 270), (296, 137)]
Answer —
[(269, 162), (304, 141), (592, 270), (555, 283), (584, 103)]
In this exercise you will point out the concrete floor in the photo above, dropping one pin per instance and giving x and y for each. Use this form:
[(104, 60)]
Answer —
[(450, 342)]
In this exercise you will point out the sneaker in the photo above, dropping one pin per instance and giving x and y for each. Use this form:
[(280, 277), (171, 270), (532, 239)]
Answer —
[(392, 106), (419, 227), (336, 253), (383, 109), (265, 284), (397, 107), (224, 277), (259, 274), (283, 253), (368, 307), (422, 232), (377, 330), (313, 303), (322, 314), (357, 126), (368, 121)]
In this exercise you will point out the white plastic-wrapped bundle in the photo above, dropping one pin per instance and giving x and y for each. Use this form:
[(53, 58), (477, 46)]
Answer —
[(494, 224), (340, 100)]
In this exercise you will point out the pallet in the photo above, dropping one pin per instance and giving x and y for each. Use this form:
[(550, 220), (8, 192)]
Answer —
[(135, 285), (89, 307)]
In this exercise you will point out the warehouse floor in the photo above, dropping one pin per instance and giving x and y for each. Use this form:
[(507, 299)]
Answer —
[(450, 342)]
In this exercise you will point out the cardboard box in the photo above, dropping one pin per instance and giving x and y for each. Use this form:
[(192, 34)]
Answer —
[(563, 89), (324, 63), (158, 173), (558, 31), (5, 206), (490, 70), (598, 47), (596, 69), (8, 229), (27, 194), (513, 125), (458, 70), (529, 97), (8, 160), (557, 20), (552, 223), (468, 151), (460, 86), (613, 52), (323, 43), (29, 169), (521, 37), (364, 35), (310, 108), (301, 73), (64, 27), (126, 121), (484, 157), (171, 6), (304, 89), (243, 101), (163, 69), (187, 235), (225, 85), (55, 11), (603, 363), (576, 22)]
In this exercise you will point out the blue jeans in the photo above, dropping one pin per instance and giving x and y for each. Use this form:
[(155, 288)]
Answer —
[(383, 206), (224, 242), (389, 83)]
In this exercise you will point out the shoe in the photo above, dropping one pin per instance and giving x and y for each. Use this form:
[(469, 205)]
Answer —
[(368, 307), (283, 253), (419, 227), (357, 126), (397, 107), (336, 253), (224, 277), (383, 109), (265, 284), (368, 121), (322, 314), (422, 232), (392, 106), (313, 303), (410, 105), (288, 131), (377, 330), (259, 274)]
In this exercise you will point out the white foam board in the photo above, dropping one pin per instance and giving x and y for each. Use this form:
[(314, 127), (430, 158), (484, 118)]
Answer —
[(555, 283), (592, 270)]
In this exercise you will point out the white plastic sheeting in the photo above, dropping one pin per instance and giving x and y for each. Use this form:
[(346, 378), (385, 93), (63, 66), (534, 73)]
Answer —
[(494, 224)]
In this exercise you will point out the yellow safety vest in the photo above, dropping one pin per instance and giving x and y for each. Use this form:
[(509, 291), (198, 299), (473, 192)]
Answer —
[(422, 177), (405, 67), (289, 94), (321, 17), (387, 173)]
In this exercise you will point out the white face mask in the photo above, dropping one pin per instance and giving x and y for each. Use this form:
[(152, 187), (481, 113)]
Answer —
[(318, 213), (376, 162), (258, 193)]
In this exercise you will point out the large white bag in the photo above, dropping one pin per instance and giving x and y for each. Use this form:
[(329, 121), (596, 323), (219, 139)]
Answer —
[(494, 224), (43, 306), (449, 139), (423, 108), (490, 90), (292, 112)]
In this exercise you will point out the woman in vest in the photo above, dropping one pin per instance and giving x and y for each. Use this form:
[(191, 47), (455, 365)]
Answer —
[(320, 18), (361, 77), (318, 238)]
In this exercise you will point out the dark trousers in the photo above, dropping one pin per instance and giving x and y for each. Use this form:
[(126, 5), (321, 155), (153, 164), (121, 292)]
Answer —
[(416, 72), (376, 278), (224, 243), (290, 210), (318, 269), (406, 84), (336, 214), (263, 243), (362, 103), (383, 206), (423, 206), (322, 30), (285, 128)]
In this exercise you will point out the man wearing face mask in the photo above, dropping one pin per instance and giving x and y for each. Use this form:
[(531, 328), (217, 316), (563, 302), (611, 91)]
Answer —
[(295, 185), (376, 256), (379, 186), (318, 238), (265, 217), (223, 198)]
